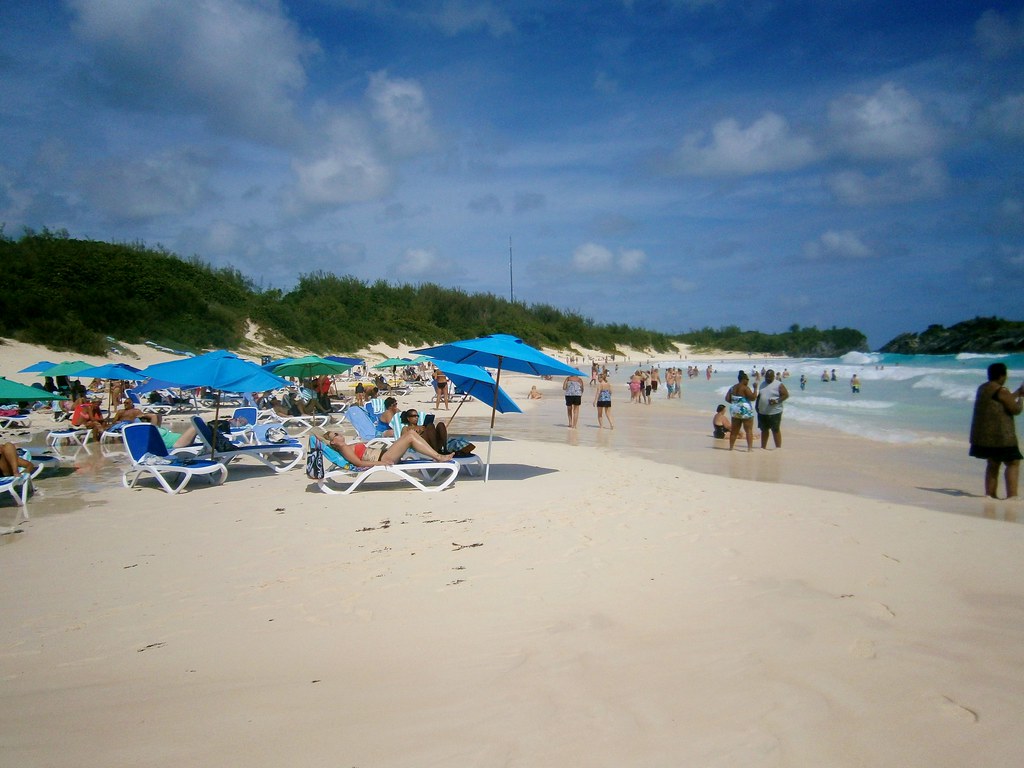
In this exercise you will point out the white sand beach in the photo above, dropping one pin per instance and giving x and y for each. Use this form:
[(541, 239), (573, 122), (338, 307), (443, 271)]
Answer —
[(609, 598)]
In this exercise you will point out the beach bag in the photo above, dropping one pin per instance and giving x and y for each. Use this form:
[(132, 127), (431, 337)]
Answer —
[(740, 408), (277, 435), (460, 446), (315, 461)]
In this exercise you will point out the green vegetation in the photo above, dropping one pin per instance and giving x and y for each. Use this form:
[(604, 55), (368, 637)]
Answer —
[(980, 335), (796, 342), (71, 294)]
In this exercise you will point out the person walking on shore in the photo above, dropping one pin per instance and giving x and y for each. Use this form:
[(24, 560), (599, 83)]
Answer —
[(770, 397), (603, 401), (993, 433)]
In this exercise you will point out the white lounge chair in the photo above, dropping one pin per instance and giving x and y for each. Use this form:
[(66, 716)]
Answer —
[(343, 478), (160, 408), (149, 456), (18, 421), (70, 436)]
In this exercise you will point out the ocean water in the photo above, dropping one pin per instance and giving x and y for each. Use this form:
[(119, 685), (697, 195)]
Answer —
[(902, 399)]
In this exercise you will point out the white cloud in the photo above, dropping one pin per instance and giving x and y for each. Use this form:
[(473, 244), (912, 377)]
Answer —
[(842, 244), (401, 108), (888, 124), (682, 285), (417, 261), (593, 258), (346, 168), (923, 180), (766, 145), (998, 36), (238, 64)]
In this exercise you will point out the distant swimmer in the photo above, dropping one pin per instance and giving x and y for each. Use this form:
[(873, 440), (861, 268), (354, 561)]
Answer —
[(803, 381), (993, 433), (855, 384), (833, 378), (824, 375)]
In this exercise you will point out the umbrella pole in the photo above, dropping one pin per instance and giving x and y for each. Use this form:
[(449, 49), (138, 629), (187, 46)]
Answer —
[(490, 434)]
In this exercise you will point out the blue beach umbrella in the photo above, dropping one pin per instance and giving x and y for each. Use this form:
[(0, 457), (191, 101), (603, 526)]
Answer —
[(39, 367), (474, 381), (220, 370), (499, 350), (118, 371), (353, 361), (110, 372)]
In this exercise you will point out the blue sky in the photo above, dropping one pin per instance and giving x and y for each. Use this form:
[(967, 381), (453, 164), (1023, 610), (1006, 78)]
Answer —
[(671, 165)]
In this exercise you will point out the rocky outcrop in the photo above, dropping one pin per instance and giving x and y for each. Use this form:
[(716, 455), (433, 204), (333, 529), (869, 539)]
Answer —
[(980, 335)]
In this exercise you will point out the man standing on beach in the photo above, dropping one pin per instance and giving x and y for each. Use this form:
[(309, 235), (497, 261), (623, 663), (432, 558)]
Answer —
[(993, 434), (770, 398)]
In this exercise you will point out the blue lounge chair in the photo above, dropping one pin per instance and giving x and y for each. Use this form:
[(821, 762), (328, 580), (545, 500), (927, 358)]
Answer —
[(280, 457), (149, 456), (363, 423)]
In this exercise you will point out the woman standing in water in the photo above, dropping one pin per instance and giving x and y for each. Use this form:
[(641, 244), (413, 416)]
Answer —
[(740, 397), (573, 387), (993, 434), (603, 401)]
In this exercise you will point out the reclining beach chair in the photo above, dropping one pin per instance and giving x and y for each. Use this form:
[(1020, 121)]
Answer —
[(243, 433), (280, 457), (363, 423), (416, 473), (145, 407), (149, 456)]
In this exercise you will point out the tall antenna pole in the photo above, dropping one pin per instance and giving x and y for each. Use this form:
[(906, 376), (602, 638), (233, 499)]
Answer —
[(511, 292)]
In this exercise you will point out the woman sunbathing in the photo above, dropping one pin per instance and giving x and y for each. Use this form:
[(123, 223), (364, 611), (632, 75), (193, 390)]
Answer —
[(361, 455)]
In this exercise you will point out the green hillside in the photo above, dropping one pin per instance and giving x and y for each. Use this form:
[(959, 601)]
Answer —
[(71, 294)]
